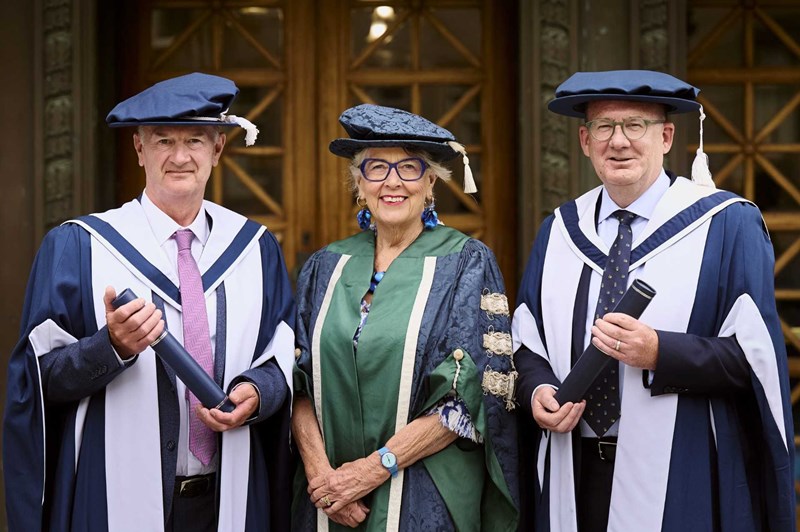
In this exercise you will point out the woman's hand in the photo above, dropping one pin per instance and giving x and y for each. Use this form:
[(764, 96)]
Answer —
[(351, 515), (336, 489)]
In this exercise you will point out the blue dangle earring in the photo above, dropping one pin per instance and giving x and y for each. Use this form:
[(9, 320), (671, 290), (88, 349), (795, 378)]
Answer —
[(429, 217), (364, 217)]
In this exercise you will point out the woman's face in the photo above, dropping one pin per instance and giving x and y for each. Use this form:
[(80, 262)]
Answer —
[(396, 204)]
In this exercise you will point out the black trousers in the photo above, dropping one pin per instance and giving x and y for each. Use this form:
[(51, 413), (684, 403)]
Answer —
[(194, 505), (594, 488)]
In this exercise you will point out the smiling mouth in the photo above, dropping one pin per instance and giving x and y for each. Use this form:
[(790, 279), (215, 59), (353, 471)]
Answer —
[(393, 200), (620, 160)]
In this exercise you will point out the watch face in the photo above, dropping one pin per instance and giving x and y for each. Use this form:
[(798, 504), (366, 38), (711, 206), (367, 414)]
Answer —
[(389, 460)]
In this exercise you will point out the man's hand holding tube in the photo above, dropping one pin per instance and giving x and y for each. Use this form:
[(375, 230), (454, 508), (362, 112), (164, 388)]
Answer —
[(133, 326), (627, 339), (247, 401), (549, 415)]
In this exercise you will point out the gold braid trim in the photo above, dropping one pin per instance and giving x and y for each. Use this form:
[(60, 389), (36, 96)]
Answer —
[(500, 385), (494, 303), (498, 343)]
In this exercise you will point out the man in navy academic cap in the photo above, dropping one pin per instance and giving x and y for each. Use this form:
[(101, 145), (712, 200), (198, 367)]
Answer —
[(689, 425), (99, 434)]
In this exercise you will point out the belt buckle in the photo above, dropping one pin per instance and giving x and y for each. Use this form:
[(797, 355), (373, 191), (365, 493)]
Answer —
[(194, 487), (607, 450)]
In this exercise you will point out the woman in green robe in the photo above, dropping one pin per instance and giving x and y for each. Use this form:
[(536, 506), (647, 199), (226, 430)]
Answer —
[(404, 377)]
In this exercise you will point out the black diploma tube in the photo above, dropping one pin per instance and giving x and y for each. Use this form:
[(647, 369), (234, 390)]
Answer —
[(185, 367), (592, 361)]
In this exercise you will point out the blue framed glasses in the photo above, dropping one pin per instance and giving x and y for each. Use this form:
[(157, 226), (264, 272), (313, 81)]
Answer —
[(411, 169)]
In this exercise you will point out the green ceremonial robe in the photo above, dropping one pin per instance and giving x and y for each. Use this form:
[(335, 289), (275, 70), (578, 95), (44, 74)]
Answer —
[(438, 325)]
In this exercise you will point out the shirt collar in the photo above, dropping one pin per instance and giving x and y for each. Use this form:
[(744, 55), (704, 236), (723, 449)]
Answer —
[(644, 205), (164, 227)]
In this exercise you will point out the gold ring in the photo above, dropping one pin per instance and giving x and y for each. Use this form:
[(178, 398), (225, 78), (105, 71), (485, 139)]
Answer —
[(326, 501), (616, 347)]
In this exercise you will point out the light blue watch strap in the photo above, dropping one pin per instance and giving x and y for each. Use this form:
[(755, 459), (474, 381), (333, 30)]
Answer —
[(388, 460)]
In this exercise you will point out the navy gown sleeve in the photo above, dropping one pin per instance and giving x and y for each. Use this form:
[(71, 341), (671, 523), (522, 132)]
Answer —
[(689, 363), (81, 369), (316, 269), (708, 364), (473, 317), (272, 388), (57, 290), (85, 367), (753, 427), (278, 307), (269, 492)]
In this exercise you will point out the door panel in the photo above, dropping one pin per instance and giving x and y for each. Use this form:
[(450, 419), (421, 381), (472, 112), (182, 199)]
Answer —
[(300, 63), (452, 62)]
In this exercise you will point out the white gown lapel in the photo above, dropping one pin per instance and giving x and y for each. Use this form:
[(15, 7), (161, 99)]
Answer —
[(132, 431)]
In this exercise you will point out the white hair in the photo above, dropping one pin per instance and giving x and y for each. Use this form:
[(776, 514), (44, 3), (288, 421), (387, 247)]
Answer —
[(437, 169)]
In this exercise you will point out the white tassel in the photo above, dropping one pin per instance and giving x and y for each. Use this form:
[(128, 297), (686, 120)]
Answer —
[(251, 131), (469, 180), (700, 171)]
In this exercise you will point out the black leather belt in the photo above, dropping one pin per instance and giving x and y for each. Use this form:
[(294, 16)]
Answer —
[(194, 486), (606, 447)]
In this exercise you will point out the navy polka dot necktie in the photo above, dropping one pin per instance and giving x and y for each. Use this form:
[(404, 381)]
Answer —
[(602, 399)]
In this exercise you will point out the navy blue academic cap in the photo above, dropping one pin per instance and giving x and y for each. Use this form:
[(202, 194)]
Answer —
[(631, 85), (178, 101), (374, 126)]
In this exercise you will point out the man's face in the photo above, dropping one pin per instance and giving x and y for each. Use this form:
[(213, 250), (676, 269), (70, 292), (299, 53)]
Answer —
[(622, 164), (177, 161)]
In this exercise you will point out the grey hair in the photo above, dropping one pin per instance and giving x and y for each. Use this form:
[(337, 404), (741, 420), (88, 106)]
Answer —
[(437, 169), (140, 130)]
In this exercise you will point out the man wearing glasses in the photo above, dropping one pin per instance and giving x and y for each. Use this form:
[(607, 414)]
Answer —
[(688, 427)]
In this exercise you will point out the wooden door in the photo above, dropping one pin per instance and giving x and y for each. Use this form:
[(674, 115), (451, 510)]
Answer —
[(248, 42), (300, 63), (452, 62)]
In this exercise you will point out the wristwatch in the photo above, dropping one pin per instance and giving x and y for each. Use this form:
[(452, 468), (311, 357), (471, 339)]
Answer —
[(388, 460)]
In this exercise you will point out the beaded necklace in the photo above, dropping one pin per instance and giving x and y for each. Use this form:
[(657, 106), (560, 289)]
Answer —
[(373, 284), (377, 277)]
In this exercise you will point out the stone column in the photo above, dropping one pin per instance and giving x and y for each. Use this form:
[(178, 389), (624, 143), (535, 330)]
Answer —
[(558, 38)]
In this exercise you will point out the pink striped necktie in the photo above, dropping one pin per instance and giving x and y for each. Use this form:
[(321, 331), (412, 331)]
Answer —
[(196, 340)]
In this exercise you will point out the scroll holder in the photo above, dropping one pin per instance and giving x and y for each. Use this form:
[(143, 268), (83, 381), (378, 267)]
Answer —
[(185, 367), (592, 361)]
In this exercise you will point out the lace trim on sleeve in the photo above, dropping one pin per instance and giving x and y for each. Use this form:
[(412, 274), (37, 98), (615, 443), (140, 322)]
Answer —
[(454, 416)]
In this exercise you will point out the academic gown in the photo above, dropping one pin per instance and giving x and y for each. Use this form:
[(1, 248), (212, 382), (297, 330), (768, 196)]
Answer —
[(709, 444), (100, 452), (442, 298)]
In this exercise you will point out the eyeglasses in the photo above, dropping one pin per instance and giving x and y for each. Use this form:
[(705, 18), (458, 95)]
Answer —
[(634, 128), (411, 169)]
